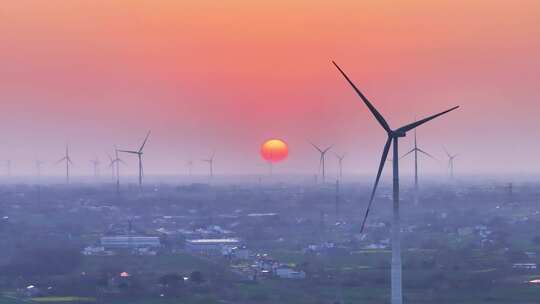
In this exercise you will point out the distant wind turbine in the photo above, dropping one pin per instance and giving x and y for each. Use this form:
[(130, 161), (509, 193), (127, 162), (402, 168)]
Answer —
[(392, 139), (415, 150), (68, 161), (340, 164), (111, 165), (189, 165), (322, 159), (139, 154), (8, 167), (451, 159), (39, 165), (95, 163), (210, 162), (115, 164)]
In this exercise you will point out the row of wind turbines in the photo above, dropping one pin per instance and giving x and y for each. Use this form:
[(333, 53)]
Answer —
[(114, 163), (393, 136), (416, 150)]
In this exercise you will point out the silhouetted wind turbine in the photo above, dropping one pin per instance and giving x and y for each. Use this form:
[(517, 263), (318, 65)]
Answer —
[(95, 163), (450, 162), (38, 164), (68, 161), (189, 164), (322, 160), (210, 162), (139, 154), (340, 164), (8, 167), (415, 150), (111, 165), (115, 164), (392, 139)]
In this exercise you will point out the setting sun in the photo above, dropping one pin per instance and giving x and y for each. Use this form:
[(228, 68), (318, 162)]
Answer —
[(274, 150)]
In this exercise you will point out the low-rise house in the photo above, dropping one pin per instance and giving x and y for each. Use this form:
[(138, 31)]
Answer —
[(286, 272)]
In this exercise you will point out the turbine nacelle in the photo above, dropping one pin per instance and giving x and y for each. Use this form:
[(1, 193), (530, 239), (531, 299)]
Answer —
[(397, 133)]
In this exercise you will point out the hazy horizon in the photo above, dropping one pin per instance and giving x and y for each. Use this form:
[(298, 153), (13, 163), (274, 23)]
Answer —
[(207, 76)]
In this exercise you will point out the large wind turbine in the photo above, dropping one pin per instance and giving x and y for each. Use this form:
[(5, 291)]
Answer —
[(210, 162), (392, 140), (415, 150), (322, 160), (139, 154), (68, 161), (340, 164)]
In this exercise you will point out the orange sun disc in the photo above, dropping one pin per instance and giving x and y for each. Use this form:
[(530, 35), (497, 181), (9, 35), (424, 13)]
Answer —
[(274, 150)]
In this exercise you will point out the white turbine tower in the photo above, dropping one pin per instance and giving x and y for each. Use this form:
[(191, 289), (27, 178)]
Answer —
[(392, 140)]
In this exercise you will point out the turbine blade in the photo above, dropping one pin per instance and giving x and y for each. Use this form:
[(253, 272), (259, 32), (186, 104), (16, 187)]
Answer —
[(427, 154), (371, 108), (413, 125), (144, 142), (127, 151), (340, 157), (316, 147), (60, 160), (446, 151), (407, 154), (326, 150), (381, 167)]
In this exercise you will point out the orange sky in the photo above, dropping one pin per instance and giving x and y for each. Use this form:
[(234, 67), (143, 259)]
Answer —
[(226, 75)]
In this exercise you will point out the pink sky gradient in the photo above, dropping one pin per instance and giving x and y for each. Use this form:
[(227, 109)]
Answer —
[(227, 75)]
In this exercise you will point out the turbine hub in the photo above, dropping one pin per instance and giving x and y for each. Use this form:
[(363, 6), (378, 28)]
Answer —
[(398, 134)]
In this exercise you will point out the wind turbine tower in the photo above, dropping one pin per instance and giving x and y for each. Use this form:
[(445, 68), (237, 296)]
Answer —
[(416, 150), (392, 140), (340, 165), (322, 165), (189, 165), (95, 163), (68, 161), (8, 168), (210, 162), (115, 163), (39, 165), (451, 159), (139, 154)]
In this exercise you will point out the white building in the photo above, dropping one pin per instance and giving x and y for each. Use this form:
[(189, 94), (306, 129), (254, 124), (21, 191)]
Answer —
[(130, 241), (525, 266), (212, 245), (289, 273), (93, 250)]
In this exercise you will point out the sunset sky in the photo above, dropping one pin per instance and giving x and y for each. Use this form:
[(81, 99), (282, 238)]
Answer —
[(227, 75)]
